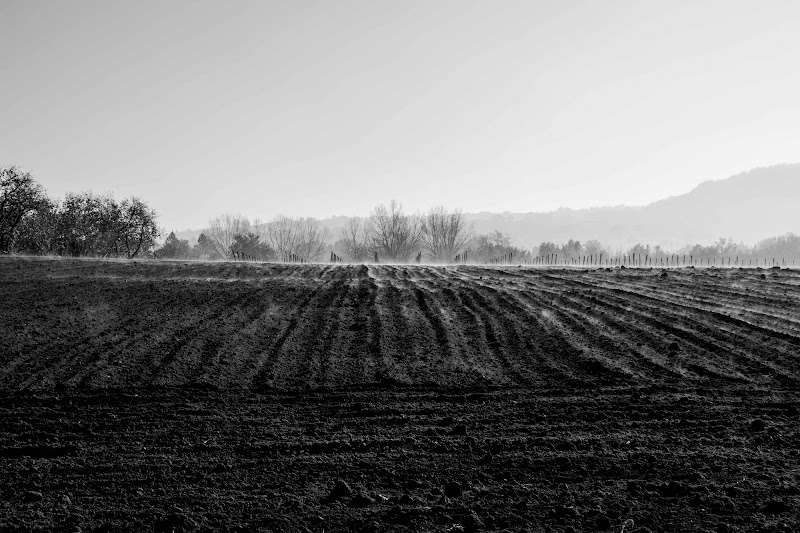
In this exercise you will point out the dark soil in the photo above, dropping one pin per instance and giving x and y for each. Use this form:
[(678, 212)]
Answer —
[(197, 397), (98, 324)]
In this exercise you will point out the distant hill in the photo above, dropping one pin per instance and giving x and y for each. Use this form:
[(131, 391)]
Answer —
[(748, 207)]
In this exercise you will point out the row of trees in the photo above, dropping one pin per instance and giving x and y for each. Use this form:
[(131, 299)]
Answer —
[(484, 248), (783, 247), (388, 234), (572, 249), (441, 235), (786, 246), (82, 224), (229, 236), (85, 224), (394, 236)]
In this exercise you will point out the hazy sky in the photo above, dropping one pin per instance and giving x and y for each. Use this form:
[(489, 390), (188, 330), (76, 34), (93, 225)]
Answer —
[(329, 107)]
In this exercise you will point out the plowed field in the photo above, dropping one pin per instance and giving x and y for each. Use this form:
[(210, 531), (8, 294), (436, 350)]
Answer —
[(198, 396), (106, 324)]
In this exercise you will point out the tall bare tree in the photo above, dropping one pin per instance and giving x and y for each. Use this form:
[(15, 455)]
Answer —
[(259, 227), (311, 239), (305, 238), (354, 240), (445, 234), (281, 236), (222, 232), (393, 235)]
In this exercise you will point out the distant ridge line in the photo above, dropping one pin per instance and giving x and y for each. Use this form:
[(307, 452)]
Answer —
[(748, 207)]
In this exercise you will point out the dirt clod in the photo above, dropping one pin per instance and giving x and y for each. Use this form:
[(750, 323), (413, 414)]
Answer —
[(602, 522), (452, 489), (472, 522), (32, 496), (220, 468), (459, 429), (340, 490), (774, 507), (673, 489), (174, 522), (567, 511)]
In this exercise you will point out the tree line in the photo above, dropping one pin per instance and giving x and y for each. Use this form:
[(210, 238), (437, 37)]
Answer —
[(388, 234), (782, 247), (80, 224), (391, 235), (230, 236), (86, 224)]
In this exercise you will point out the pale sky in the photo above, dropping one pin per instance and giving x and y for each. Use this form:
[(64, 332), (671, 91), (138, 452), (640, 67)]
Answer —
[(329, 107)]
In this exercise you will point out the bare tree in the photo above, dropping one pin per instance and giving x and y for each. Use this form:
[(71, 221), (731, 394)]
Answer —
[(311, 239), (222, 232), (281, 236), (303, 238), (259, 227), (354, 240), (445, 234), (393, 235)]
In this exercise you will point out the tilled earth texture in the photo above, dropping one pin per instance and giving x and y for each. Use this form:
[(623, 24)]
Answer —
[(179, 396)]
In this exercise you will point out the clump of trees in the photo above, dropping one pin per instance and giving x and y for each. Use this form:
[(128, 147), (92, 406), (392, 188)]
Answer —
[(393, 236), (82, 224), (223, 232), (174, 248), (250, 245), (573, 250), (20, 198), (786, 246), (724, 251), (229, 236), (486, 247), (782, 247), (300, 238), (444, 234), (354, 242)]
